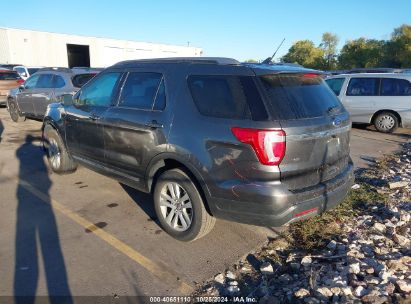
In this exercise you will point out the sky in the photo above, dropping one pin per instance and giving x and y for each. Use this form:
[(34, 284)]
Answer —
[(239, 29)]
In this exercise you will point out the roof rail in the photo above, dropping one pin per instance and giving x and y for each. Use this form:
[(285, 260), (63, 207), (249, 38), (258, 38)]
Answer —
[(56, 69), (368, 70), (201, 60)]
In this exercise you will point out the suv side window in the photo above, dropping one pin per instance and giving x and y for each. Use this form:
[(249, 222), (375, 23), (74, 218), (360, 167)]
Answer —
[(363, 87), (45, 81), (219, 96), (58, 82), (140, 90), (31, 82), (395, 87), (335, 84), (100, 91)]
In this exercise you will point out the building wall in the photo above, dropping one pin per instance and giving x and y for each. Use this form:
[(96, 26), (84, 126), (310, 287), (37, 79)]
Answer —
[(35, 48)]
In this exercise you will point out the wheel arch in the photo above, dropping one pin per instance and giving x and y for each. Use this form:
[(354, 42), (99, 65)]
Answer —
[(168, 161), (389, 111), (49, 121)]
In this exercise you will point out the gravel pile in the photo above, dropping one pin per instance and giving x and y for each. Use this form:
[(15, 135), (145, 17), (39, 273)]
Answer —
[(369, 262)]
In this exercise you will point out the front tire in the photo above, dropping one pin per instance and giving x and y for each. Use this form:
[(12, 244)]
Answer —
[(386, 122), (14, 112), (58, 157), (180, 207)]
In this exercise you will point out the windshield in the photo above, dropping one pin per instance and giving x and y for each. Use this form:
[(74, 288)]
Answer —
[(296, 96)]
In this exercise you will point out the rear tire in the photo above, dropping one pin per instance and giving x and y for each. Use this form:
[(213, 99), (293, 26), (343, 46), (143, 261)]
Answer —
[(58, 157), (180, 207), (14, 112), (386, 122)]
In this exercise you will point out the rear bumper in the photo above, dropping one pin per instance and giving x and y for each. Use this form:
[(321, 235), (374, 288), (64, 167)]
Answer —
[(273, 205)]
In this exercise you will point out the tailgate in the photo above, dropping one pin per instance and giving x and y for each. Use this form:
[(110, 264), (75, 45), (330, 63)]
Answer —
[(317, 150), (316, 125)]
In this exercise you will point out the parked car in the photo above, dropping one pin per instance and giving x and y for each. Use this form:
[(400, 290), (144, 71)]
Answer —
[(25, 71), (8, 80), (383, 100), (8, 66), (44, 87), (209, 138)]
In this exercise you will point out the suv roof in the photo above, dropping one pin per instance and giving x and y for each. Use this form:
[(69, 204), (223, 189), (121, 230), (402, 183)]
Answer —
[(194, 60), (261, 68)]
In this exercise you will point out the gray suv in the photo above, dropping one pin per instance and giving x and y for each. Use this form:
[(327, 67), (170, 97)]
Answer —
[(209, 138), (31, 99)]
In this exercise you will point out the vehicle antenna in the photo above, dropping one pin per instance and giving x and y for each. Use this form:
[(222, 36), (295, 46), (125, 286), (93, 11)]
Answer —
[(269, 60)]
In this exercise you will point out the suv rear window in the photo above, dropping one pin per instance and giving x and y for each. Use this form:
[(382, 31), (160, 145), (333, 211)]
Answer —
[(81, 79), (225, 96), (296, 96), (9, 76)]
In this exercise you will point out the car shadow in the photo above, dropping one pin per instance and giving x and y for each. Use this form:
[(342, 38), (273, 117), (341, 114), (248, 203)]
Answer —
[(36, 230), (143, 200)]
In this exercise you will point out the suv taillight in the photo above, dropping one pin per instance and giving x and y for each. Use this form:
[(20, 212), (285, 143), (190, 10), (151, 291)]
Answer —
[(269, 145), (20, 81)]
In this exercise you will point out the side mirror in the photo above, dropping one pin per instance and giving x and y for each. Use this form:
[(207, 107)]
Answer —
[(66, 99)]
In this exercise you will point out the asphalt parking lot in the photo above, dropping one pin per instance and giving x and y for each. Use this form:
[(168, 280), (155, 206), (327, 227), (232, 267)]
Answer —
[(85, 234)]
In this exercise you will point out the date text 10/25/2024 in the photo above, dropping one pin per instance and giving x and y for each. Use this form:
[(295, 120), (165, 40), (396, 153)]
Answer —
[(203, 299)]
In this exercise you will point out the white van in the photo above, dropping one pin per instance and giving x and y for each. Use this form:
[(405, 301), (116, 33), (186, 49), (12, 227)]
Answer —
[(380, 99)]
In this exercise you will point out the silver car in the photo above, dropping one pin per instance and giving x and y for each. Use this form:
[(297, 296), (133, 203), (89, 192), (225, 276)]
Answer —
[(383, 100), (44, 87)]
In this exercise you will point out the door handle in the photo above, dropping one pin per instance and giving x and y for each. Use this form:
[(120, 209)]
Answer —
[(154, 124), (94, 117)]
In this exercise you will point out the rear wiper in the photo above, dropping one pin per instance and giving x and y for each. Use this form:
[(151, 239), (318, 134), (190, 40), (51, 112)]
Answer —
[(332, 109)]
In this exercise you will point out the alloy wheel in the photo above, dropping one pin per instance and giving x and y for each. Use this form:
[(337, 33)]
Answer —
[(176, 207), (13, 111), (54, 153)]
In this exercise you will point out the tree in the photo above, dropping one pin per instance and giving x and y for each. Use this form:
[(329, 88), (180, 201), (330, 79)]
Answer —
[(362, 53), (306, 54), (329, 44), (251, 61), (398, 49)]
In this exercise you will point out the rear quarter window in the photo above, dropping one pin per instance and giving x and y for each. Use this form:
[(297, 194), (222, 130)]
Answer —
[(226, 96), (395, 87), (297, 96), (335, 84), (81, 79)]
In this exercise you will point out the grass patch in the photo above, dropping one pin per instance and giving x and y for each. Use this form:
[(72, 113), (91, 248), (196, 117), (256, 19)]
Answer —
[(316, 232)]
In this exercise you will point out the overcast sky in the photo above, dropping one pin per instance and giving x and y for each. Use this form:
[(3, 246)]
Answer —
[(238, 29)]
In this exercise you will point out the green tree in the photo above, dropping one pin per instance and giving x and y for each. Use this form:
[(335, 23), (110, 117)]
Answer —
[(329, 44), (304, 52), (398, 48), (251, 61), (362, 53)]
